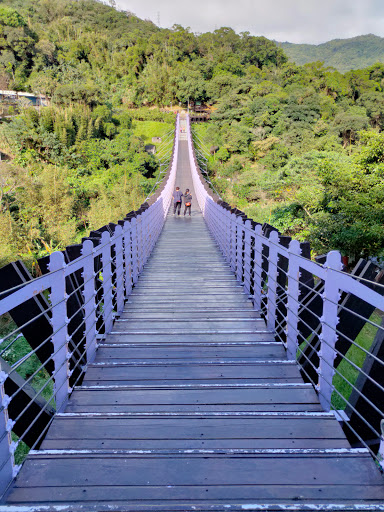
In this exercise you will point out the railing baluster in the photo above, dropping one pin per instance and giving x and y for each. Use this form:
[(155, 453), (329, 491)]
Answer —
[(239, 248), (328, 336), (272, 279), (293, 299), (233, 242), (127, 258), (107, 281), (89, 294), (60, 338), (135, 255), (118, 236), (247, 256), (257, 270)]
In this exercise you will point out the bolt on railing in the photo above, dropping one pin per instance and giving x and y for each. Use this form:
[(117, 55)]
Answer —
[(105, 272), (347, 373)]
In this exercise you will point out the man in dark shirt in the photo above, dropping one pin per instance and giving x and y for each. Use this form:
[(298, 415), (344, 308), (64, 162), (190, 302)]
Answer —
[(177, 195)]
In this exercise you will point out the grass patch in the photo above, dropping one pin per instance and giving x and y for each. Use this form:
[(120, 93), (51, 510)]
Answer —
[(148, 129), (18, 347), (357, 356)]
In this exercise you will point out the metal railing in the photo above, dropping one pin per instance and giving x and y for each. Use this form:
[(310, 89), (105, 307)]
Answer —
[(330, 322), (78, 301)]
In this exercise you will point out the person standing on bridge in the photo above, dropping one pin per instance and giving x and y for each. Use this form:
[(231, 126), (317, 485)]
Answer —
[(187, 202), (177, 195)]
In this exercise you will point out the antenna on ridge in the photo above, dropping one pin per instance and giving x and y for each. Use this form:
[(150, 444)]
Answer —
[(158, 18)]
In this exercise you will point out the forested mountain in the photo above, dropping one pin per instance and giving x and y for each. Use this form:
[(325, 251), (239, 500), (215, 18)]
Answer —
[(298, 146), (342, 54)]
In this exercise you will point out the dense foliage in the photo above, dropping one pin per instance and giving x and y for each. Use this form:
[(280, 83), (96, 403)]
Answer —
[(298, 146), (302, 148), (343, 54)]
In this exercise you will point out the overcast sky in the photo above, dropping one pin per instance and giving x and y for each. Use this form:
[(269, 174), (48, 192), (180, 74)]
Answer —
[(297, 21)]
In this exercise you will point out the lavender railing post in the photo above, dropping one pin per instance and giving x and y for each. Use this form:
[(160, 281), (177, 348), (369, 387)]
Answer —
[(144, 233), (89, 295), (107, 281), (118, 236), (272, 279), (127, 258), (135, 255), (228, 235), (233, 242), (239, 248), (328, 336), (247, 256), (257, 270), (221, 220), (139, 239), (60, 338), (293, 299), (147, 226), (6, 456)]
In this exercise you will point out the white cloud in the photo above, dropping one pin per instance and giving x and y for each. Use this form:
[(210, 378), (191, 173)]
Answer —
[(300, 21)]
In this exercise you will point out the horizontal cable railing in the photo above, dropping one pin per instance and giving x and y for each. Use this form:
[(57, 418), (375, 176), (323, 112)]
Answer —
[(330, 322), (51, 326)]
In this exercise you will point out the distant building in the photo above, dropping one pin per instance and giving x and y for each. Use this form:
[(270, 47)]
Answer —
[(13, 96)]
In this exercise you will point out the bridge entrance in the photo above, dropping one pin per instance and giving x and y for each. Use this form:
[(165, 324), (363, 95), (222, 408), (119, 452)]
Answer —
[(191, 404)]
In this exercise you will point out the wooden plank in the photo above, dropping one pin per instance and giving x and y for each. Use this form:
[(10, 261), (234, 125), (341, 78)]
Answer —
[(204, 470), (185, 408), (200, 498), (190, 315), (279, 351), (182, 372), (190, 428), (188, 326), (244, 352), (192, 444), (197, 397)]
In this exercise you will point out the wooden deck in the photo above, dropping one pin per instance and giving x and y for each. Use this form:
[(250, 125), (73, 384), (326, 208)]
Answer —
[(191, 404)]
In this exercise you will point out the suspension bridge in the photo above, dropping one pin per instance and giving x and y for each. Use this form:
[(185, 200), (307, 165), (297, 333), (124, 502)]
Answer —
[(181, 377)]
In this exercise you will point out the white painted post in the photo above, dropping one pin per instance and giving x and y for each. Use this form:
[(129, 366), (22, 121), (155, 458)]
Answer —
[(228, 235), (139, 232), (233, 242), (239, 248), (127, 258), (293, 299), (220, 219), (328, 336), (147, 234), (6, 455), (272, 279), (135, 255), (257, 270), (89, 294), (247, 256), (60, 338), (107, 281), (118, 236)]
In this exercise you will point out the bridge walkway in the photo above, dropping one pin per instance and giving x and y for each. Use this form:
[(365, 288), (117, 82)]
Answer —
[(191, 403)]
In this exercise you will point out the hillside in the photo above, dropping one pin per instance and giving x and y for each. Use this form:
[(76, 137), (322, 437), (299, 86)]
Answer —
[(342, 54), (298, 146)]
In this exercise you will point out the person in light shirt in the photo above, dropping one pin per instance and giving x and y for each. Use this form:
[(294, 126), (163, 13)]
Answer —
[(187, 202)]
